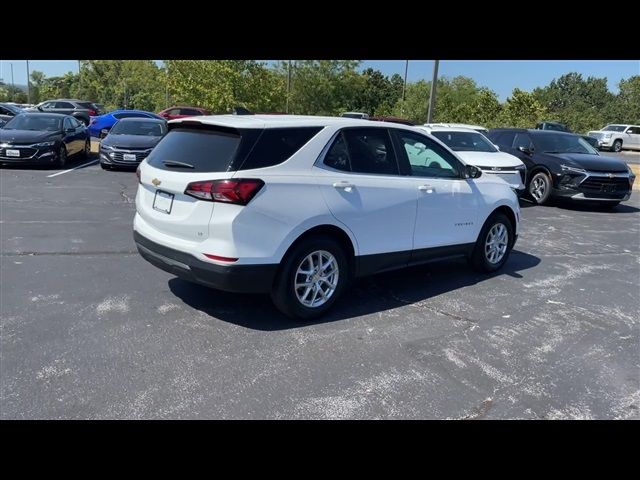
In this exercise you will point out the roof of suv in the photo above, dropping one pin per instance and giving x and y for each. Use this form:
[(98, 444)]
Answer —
[(534, 131), (279, 121)]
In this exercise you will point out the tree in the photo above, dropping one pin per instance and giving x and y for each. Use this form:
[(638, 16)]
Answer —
[(37, 78), (625, 108), (221, 85), (414, 106), (324, 87), (580, 103), (522, 110)]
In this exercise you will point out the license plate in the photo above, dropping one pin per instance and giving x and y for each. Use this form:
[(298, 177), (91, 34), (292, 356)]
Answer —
[(163, 201), (12, 153), (129, 156), (608, 188)]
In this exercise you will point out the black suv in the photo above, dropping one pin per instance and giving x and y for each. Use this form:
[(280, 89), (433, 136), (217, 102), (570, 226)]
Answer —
[(80, 109), (564, 165)]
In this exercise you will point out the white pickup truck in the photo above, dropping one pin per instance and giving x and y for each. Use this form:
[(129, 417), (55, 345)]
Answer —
[(617, 137)]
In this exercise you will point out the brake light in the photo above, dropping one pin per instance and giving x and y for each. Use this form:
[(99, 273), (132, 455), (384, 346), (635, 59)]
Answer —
[(92, 112), (237, 191)]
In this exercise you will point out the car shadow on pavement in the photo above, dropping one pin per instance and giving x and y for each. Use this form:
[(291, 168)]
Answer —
[(580, 207), (369, 295)]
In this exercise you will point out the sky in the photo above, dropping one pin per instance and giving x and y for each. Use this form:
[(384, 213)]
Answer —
[(501, 76)]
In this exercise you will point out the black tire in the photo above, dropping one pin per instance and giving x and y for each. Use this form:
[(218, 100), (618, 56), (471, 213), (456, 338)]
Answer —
[(539, 188), (480, 256), (61, 159), (617, 146), (86, 153), (284, 294)]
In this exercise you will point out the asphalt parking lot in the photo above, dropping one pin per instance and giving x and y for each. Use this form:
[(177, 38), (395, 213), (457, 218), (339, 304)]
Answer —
[(91, 330)]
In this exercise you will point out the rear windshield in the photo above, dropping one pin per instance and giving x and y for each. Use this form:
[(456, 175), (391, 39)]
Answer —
[(202, 149), (87, 105)]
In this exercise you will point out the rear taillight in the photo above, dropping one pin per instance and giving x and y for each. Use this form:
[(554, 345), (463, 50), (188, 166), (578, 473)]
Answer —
[(237, 191), (92, 112), (138, 175)]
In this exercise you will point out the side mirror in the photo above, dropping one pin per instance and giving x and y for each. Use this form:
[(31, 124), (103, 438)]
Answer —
[(471, 171), (526, 150), (104, 132)]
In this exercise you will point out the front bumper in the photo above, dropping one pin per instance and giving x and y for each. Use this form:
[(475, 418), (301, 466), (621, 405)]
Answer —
[(233, 278), (122, 157), (594, 186), (29, 155)]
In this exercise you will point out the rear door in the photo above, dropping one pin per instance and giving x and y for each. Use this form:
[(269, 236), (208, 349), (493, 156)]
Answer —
[(362, 186), (65, 108), (634, 137)]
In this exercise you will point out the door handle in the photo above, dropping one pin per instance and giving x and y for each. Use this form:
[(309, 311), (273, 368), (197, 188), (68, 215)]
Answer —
[(426, 188), (344, 185)]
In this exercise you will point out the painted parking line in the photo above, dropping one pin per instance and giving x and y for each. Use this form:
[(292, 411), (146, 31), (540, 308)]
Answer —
[(74, 168)]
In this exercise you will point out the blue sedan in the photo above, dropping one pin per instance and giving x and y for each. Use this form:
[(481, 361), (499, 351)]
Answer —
[(108, 120)]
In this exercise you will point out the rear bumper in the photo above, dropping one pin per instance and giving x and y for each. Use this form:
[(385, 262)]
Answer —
[(232, 278)]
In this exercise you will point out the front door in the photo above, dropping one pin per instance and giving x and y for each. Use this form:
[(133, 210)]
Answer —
[(362, 186)]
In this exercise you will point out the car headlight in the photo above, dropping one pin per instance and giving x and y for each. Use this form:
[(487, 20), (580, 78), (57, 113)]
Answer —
[(520, 167), (44, 144), (607, 135), (106, 147), (567, 168)]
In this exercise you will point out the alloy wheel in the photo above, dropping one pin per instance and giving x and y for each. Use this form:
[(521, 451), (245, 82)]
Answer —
[(316, 278)]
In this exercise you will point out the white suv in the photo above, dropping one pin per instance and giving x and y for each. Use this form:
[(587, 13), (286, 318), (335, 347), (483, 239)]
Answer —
[(617, 137), (298, 206), (476, 149)]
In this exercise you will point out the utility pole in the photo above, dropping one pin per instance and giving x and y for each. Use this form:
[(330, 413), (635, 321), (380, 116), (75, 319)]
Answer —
[(404, 87), (288, 84), (28, 85), (432, 95), (13, 87)]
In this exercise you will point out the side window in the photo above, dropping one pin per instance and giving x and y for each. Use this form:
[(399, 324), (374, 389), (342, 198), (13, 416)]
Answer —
[(276, 145), (48, 105), (174, 111), (67, 123), (634, 130), (371, 151), (337, 156), (74, 122), (65, 105), (130, 115), (189, 111), (426, 157), (522, 140), (505, 139)]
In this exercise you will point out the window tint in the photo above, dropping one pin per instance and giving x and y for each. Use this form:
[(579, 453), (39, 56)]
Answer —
[(370, 151), (74, 122), (503, 139), (634, 130), (4, 111), (129, 115), (206, 150), (64, 105), (337, 156), (67, 123), (426, 157), (522, 140), (276, 145), (464, 141), (189, 111), (174, 111)]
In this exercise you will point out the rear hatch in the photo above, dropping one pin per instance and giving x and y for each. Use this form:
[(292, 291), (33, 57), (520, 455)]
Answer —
[(188, 153)]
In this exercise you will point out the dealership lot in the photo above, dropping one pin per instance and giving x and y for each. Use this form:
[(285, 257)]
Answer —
[(91, 330)]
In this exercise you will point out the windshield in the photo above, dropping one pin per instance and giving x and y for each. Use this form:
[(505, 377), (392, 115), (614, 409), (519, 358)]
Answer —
[(12, 108), (153, 129), (37, 123), (465, 141), (559, 143), (614, 128)]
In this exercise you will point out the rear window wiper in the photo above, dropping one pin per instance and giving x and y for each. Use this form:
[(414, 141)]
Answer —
[(173, 163)]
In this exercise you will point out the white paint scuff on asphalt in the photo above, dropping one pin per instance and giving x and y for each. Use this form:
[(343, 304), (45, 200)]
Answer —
[(114, 304)]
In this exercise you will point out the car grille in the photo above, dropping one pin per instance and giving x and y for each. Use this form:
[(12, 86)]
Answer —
[(602, 185), (118, 156), (25, 152)]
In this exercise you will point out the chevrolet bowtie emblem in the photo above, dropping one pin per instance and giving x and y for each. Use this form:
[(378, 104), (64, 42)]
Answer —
[(156, 182), (610, 175)]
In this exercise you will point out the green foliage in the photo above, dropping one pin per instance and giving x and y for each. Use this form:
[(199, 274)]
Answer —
[(414, 106), (522, 110), (626, 106), (324, 87)]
